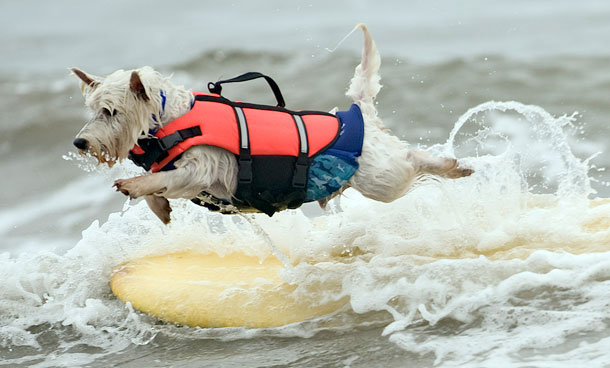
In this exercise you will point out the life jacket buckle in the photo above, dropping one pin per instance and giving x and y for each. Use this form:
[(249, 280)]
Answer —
[(169, 141), (245, 170), (299, 180)]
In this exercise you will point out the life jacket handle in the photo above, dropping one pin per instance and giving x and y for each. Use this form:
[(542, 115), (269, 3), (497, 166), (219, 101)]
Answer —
[(217, 87)]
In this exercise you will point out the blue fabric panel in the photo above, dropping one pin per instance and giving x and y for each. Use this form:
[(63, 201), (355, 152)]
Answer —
[(349, 144)]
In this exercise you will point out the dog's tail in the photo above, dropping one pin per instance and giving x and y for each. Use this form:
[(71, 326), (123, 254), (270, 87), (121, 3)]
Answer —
[(365, 84)]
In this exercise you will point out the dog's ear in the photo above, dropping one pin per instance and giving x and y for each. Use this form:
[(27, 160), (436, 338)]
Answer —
[(85, 78), (136, 86)]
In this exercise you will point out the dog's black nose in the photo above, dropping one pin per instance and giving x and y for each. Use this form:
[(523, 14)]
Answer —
[(81, 143)]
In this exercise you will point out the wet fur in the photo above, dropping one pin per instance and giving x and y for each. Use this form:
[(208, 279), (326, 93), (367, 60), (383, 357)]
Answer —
[(122, 105)]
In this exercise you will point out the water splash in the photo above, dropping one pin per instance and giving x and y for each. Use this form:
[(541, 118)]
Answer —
[(538, 129)]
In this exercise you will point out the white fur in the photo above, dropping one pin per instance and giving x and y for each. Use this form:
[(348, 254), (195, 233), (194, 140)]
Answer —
[(387, 168)]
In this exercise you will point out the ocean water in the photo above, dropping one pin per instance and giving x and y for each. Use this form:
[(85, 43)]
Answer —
[(509, 267)]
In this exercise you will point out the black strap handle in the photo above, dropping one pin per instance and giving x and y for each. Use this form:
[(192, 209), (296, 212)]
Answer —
[(217, 87)]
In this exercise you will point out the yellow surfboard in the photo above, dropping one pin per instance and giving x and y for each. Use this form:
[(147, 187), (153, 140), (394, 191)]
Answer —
[(207, 290)]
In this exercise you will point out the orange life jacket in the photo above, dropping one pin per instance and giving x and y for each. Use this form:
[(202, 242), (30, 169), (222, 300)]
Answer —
[(237, 126)]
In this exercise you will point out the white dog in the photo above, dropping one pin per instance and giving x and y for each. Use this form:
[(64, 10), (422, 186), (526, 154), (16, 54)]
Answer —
[(130, 107)]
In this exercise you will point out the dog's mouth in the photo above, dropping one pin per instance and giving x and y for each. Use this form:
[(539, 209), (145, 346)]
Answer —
[(102, 156)]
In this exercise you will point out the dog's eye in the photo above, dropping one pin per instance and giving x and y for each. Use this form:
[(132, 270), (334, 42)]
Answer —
[(107, 112)]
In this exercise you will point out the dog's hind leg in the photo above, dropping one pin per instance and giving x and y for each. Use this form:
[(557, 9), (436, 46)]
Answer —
[(440, 166), (385, 176)]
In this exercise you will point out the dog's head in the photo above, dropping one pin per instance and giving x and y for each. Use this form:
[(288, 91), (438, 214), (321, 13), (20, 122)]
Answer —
[(122, 106)]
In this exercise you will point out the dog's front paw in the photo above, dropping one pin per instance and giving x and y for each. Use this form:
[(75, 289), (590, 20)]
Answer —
[(128, 187), (160, 207)]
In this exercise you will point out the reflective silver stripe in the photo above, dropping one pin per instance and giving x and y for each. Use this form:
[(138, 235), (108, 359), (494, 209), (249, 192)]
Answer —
[(243, 127), (302, 133)]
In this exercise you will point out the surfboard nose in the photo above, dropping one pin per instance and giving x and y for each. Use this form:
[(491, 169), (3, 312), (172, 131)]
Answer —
[(206, 290)]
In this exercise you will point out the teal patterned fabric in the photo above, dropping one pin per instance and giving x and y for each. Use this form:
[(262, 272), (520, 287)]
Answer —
[(330, 170), (327, 174)]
